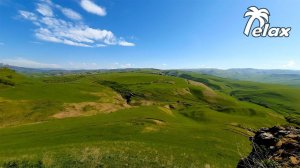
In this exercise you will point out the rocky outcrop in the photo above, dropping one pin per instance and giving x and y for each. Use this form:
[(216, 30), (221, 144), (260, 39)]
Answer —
[(274, 147)]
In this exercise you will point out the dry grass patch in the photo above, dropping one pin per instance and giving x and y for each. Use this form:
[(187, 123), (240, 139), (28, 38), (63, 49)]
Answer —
[(150, 129), (182, 92), (88, 109), (156, 125), (207, 91), (143, 102), (107, 103), (166, 109)]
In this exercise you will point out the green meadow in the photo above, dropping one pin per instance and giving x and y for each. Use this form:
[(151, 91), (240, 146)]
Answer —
[(142, 118)]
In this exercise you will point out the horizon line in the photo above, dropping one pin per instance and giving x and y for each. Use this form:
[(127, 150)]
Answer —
[(128, 68)]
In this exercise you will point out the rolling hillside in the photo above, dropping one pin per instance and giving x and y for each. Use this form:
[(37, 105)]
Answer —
[(138, 118), (282, 99)]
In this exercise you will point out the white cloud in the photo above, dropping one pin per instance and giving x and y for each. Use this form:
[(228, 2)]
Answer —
[(126, 44), (91, 7), (47, 35), (44, 9), (47, 2), (71, 14), (21, 62), (53, 29), (28, 15), (126, 66), (117, 65), (290, 64)]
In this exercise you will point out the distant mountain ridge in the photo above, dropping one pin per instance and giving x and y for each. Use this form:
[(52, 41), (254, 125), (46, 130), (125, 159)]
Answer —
[(288, 77), (276, 76), (54, 71)]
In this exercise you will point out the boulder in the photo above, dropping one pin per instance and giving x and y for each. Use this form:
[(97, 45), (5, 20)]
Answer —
[(274, 147)]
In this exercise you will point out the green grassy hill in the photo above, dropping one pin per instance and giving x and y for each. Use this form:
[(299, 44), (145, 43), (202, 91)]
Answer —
[(282, 99), (143, 118)]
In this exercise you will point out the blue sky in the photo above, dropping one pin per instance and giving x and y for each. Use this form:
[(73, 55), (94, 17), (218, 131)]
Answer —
[(166, 34)]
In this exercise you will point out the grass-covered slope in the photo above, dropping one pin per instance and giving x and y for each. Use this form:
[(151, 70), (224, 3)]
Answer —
[(282, 99), (127, 119)]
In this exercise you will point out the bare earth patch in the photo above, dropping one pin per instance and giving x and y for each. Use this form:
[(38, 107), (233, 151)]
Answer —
[(143, 103), (105, 104)]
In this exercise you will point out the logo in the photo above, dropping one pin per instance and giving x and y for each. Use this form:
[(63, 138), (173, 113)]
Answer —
[(264, 29)]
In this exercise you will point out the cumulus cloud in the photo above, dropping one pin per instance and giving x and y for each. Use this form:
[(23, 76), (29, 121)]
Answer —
[(93, 8), (21, 62), (75, 33)]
